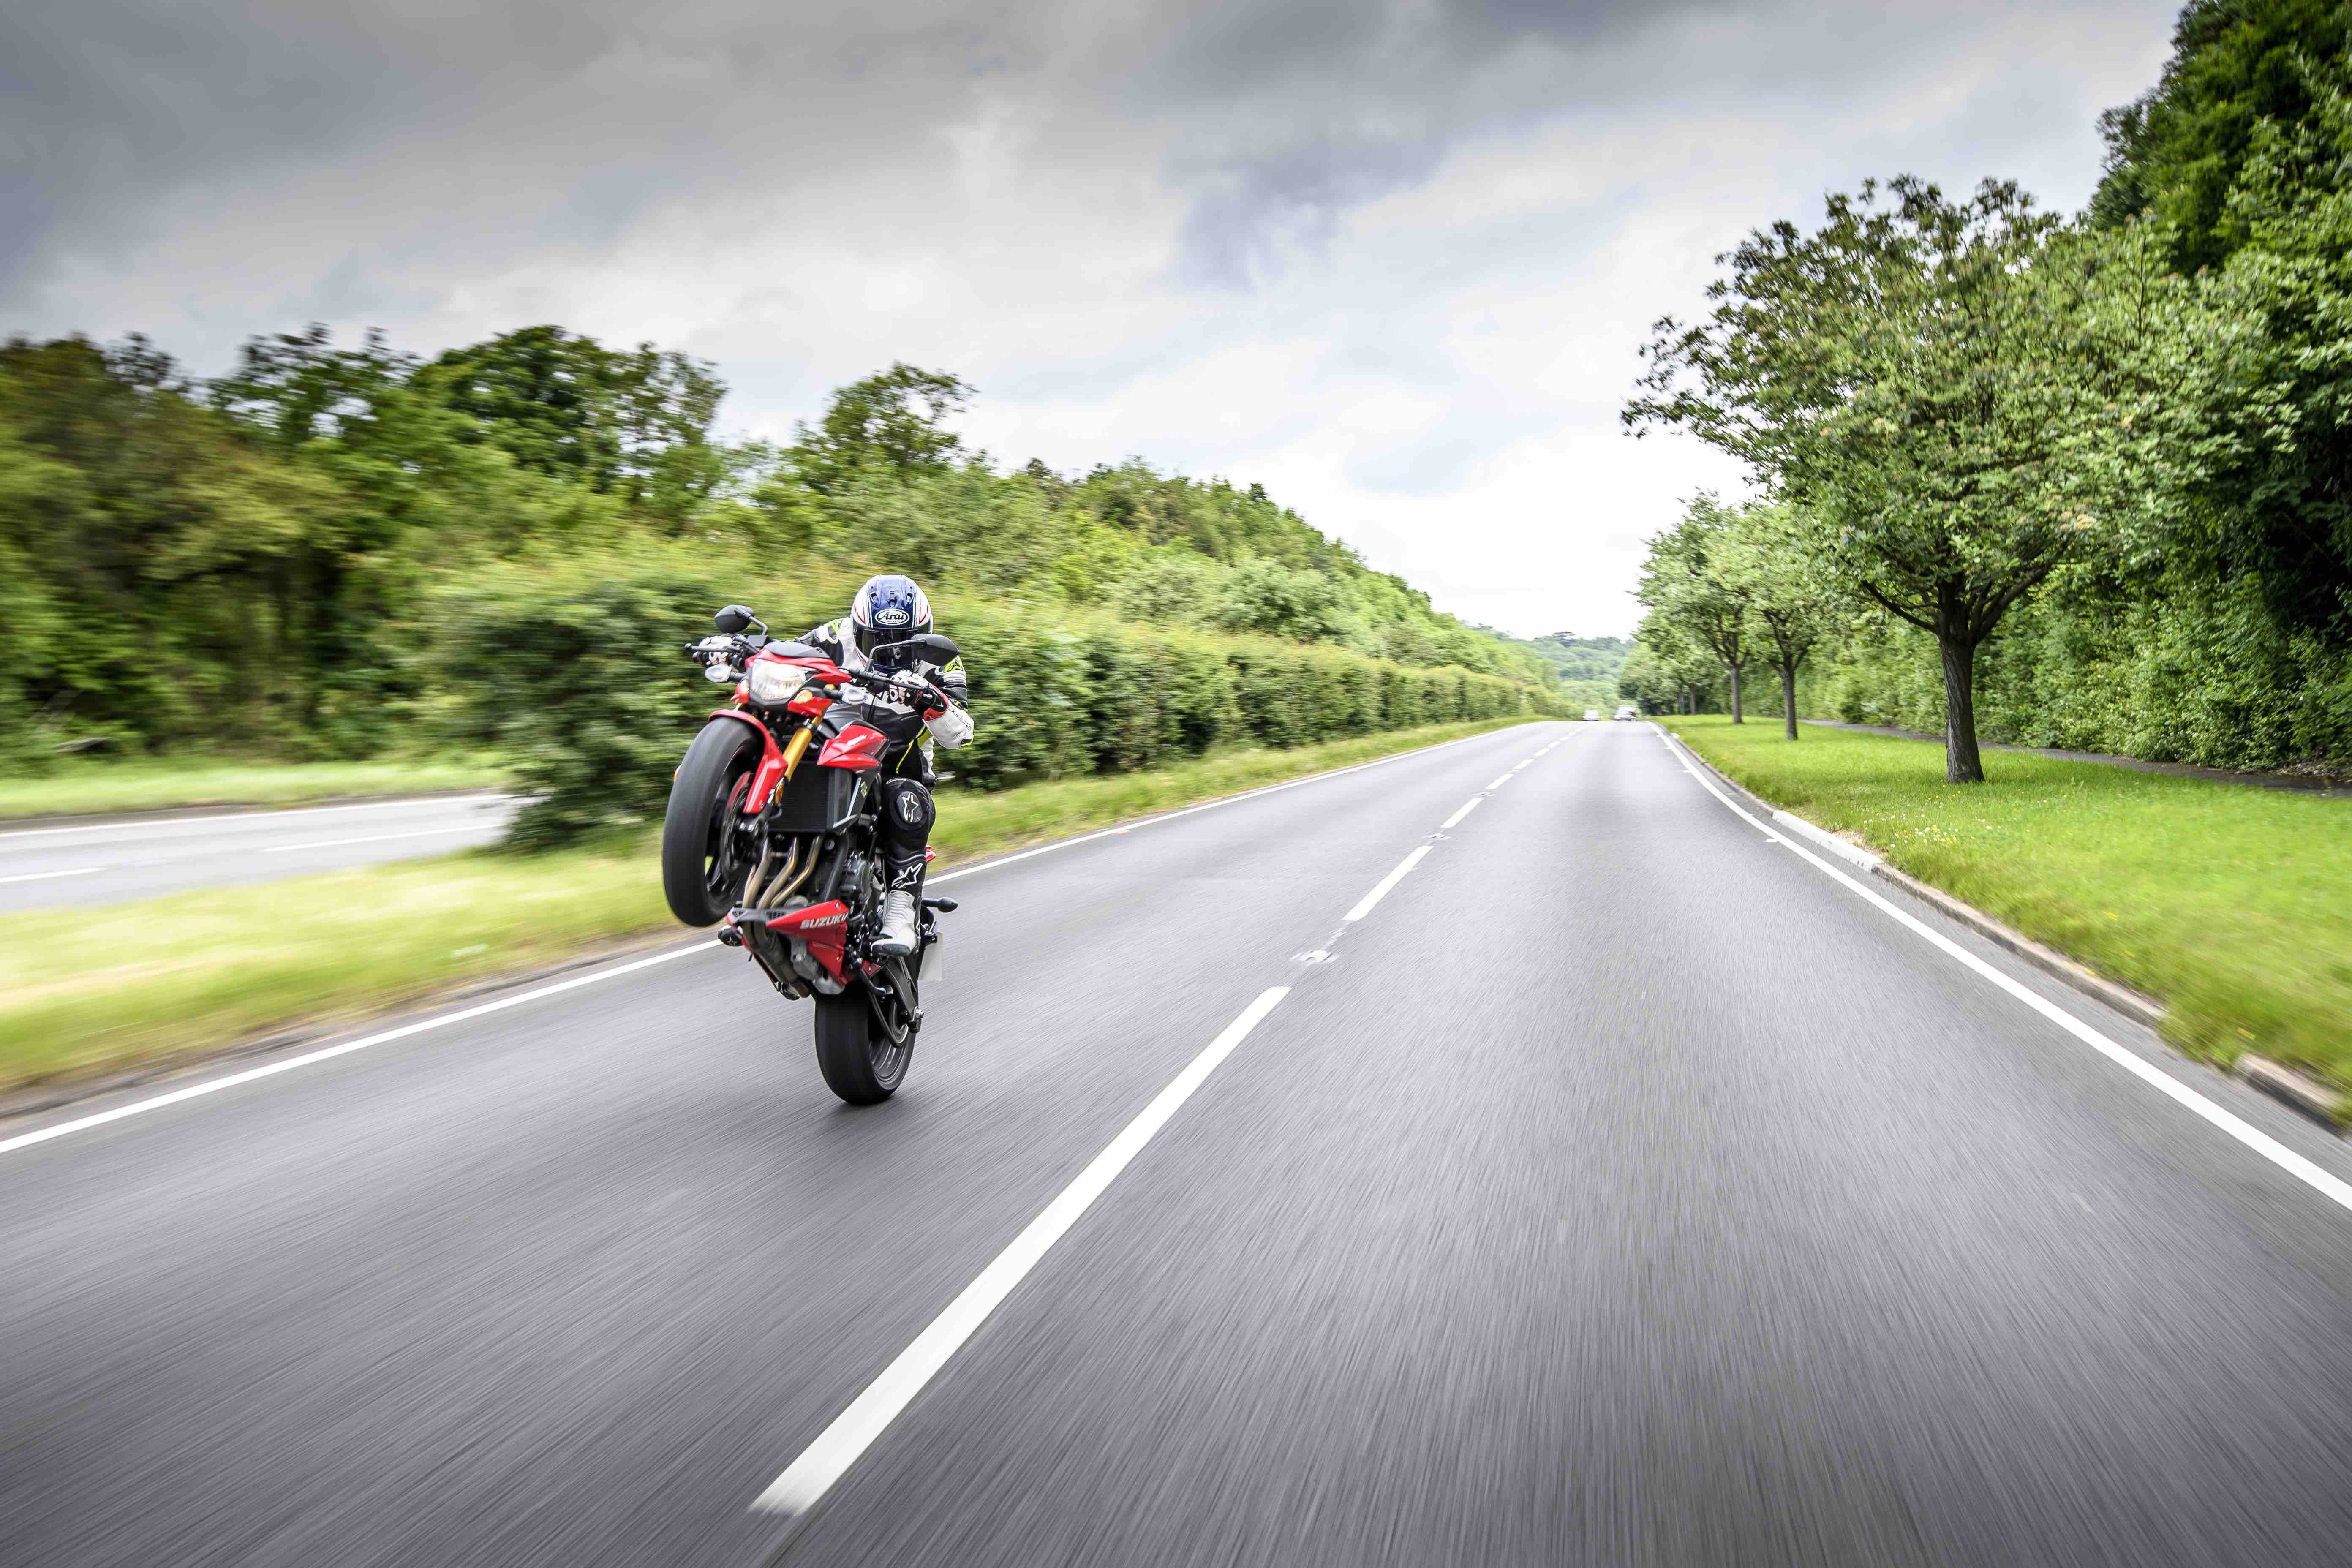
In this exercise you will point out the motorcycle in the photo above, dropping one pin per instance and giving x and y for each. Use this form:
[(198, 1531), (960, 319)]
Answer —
[(780, 851)]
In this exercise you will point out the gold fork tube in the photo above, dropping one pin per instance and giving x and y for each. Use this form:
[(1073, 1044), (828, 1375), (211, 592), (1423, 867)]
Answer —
[(795, 746)]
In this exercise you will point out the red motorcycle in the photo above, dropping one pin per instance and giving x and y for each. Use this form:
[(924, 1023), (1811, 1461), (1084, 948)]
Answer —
[(780, 851)]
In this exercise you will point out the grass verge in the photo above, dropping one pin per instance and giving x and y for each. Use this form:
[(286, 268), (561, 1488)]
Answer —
[(2232, 905), (80, 788), (86, 991)]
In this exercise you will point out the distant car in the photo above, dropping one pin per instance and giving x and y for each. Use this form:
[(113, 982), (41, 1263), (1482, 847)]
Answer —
[(1592, 715), (1628, 710)]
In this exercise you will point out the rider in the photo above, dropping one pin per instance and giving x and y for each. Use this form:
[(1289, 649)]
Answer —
[(889, 609)]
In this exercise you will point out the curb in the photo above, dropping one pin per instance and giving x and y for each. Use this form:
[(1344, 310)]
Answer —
[(2141, 1009), (2299, 1090)]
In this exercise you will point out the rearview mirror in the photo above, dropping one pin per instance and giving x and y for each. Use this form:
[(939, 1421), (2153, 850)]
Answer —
[(734, 619), (935, 647)]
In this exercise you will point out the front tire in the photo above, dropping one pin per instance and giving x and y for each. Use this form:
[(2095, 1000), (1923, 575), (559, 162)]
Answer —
[(704, 866), (859, 1060)]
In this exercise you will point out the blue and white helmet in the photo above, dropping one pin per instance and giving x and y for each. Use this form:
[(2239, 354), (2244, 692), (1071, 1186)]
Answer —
[(889, 608)]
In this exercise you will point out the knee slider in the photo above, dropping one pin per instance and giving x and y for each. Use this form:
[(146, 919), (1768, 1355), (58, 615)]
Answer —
[(907, 808)]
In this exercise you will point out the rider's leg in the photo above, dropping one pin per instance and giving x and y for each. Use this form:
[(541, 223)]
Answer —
[(906, 831)]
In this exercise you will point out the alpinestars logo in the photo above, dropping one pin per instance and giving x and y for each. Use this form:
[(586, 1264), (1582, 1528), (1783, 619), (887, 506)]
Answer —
[(911, 808)]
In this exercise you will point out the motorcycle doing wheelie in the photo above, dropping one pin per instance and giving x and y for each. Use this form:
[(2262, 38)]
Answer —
[(780, 849)]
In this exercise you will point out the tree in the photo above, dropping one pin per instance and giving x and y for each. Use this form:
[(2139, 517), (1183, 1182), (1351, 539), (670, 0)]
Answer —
[(1665, 671), (896, 422), (1787, 597), (2177, 152), (1958, 397), (633, 424), (1689, 583)]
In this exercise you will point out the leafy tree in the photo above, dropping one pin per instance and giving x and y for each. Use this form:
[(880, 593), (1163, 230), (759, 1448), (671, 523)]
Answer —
[(896, 421), (2177, 152), (1960, 397), (1265, 596), (633, 424), (1667, 670), (1691, 583), (2276, 506), (1792, 603)]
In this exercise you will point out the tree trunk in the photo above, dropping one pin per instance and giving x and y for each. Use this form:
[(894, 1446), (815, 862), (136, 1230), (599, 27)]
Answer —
[(1962, 762), (1733, 671), (1788, 695)]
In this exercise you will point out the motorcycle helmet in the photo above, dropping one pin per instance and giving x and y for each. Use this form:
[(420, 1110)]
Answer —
[(889, 608)]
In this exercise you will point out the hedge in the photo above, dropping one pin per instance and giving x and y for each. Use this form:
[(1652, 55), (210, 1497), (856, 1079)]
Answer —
[(573, 667)]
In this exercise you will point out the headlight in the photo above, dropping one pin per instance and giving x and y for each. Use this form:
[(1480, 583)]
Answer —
[(776, 683)]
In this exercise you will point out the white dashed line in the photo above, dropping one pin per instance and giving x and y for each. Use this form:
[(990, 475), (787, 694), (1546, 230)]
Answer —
[(838, 1447), (1499, 783), (1381, 888), (1468, 806)]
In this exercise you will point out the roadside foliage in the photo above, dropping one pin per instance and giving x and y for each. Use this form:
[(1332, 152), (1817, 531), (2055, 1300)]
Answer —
[(2082, 482), (344, 551)]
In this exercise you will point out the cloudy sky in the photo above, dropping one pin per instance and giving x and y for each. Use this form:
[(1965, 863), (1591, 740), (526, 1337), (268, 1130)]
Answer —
[(1391, 257)]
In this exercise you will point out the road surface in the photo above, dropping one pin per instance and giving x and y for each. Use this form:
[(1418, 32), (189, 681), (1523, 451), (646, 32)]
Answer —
[(1621, 1186), (75, 864)]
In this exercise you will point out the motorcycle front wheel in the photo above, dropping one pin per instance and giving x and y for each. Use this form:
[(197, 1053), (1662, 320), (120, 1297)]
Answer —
[(705, 860), (858, 1054)]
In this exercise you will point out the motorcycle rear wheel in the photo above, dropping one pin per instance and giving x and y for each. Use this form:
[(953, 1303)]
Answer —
[(860, 1061), (704, 864)]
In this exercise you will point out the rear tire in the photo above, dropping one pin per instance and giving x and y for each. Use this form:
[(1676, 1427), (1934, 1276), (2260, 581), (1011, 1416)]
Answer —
[(854, 1053), (702, 871)]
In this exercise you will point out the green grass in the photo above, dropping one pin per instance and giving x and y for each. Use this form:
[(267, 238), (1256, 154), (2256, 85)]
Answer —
[(83, 991), (2232, 905), (87, 787)]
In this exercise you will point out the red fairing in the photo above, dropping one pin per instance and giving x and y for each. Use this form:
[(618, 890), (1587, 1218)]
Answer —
[(771, 760), (858, 746), (825, 928), (764, 781), (811, 704)]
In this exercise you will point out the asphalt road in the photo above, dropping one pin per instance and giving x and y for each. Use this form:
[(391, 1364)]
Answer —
[(78, 864), (1621, 1188)]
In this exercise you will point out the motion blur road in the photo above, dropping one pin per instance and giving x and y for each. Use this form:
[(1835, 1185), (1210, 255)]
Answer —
[(1621, 1187), (139, 857)]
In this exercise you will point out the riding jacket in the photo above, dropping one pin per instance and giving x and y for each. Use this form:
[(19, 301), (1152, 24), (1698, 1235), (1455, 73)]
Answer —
[(950, 728)]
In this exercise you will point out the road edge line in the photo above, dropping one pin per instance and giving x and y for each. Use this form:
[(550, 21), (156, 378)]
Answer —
[(381, 1037), (200, 1058), (2139, 1007), (2308, 1171)]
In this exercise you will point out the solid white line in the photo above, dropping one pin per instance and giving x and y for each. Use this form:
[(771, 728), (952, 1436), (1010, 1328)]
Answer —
[(1499, 783), (139, 824), (267, 1069), (1381, 888), (2164, 1083), (1467, 808), (837, 1447), (43, 1134), (44, 876), (372, 838)]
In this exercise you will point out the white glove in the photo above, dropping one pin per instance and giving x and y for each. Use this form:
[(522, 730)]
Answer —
[(950, 728)]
